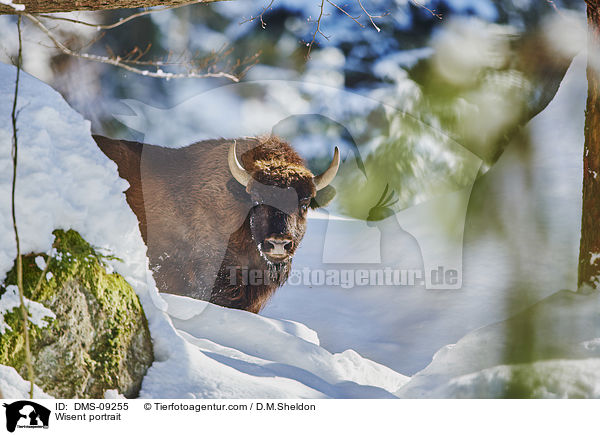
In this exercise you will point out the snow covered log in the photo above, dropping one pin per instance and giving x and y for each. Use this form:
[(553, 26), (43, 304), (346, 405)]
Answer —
[(37, 6)]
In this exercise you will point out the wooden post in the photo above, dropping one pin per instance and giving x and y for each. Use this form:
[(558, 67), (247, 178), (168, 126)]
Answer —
[(589, 252)]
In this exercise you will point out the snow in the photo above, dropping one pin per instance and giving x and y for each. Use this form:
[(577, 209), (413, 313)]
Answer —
[(13, 386), (15, 6), (340, 342), (10, 300), (564, 348), (40, 262), (552, 379), (467, 46), (113, 394), (285, 354), (64, 181), (539, 208), (394, 64)]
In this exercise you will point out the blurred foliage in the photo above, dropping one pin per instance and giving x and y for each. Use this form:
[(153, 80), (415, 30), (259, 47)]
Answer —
[(479, 87), (451, 83)]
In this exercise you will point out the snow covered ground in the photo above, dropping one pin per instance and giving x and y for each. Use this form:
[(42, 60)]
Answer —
[(538, 207), (314, 341), (566, 351), (14, 387)]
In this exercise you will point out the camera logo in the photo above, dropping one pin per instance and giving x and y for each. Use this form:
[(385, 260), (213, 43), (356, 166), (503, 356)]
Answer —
[(26, 414)]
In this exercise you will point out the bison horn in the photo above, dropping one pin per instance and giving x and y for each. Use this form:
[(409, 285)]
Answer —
[(323, 180), (237, 170)]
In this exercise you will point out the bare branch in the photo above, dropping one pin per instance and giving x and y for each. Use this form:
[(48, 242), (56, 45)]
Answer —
[(318, 21), (431, 11), (261, 15), (317, 31), (342, 10), (127, 64), (371, 16), (93, 40)]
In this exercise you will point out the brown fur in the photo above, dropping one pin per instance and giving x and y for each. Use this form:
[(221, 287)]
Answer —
[(195, 220)]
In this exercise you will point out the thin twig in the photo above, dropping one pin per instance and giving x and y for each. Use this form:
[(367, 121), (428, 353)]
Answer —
[(15, 149), (121, 63), (371, 16), (261, 16), (342, 10), (431, 11), (318, 21), (121, 21), (317, 31)]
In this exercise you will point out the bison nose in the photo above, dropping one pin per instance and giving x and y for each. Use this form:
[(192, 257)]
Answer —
[(278, 246)]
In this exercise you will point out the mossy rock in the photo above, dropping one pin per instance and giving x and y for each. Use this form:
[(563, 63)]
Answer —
[(99, 339)]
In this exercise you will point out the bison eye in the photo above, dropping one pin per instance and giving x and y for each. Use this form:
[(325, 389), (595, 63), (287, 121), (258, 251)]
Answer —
[(304, 208)]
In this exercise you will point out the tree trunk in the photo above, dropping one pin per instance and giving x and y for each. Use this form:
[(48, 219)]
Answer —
[(47, 6), (589, 252)]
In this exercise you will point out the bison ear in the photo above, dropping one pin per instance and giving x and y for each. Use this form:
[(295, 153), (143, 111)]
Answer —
[(323, 197)]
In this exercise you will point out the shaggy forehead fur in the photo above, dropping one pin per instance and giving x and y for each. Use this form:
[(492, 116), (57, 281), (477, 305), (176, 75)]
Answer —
[(274, 162), (281, 170)]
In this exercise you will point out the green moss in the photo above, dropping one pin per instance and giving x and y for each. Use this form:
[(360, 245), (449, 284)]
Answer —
[(12, 342), (116, 315)]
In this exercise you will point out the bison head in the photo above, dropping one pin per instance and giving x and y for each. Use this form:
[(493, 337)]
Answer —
[(281, 192)]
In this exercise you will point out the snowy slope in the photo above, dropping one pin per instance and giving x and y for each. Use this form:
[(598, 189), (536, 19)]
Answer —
[(64, 181), (538, 207), (239, 354), (565, 348), (14, 387)]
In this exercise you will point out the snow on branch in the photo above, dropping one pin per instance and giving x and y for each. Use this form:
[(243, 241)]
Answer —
[(203, 68), (15, 6), (40, 7), (433, 12), (371, 16)]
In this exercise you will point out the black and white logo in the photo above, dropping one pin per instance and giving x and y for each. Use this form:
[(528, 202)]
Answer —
[(26, 414)]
